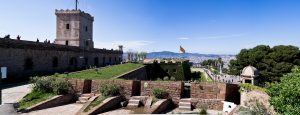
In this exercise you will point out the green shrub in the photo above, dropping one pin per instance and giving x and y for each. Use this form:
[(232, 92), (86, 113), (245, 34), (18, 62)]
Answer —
[(203, 112), (50, 84), (109, 90), (285, 94), (173, 78), (60, 86), (249, 87), (159, 93), (158, 79), (42, 84), (166, 78)]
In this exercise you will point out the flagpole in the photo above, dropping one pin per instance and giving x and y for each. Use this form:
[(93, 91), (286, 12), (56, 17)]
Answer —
[(76, 4)]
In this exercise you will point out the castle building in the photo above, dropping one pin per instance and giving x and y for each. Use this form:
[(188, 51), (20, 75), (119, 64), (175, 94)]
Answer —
[(73, 49), (178, 69)]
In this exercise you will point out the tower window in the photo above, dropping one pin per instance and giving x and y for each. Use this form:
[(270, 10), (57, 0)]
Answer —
[(86, 43), (86, 28), (73, 61), (28, 65), (55, 62), (67, 42), (68, 26), (174, 70)]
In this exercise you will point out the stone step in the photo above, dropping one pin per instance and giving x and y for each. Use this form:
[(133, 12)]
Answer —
[(81, 102), (134, 101), (185, 100), (185, 108), (136, 98), (83, 98), (132, 105), (188, 104), (86, 95)]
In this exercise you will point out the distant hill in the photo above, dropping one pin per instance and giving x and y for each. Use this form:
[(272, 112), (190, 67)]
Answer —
[(193, 57)]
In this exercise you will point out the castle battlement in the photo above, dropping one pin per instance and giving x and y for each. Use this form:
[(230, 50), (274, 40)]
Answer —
[(23, 44), (74, 12)]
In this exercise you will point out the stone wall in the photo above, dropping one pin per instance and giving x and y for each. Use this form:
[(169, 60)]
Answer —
[(214, 104), (211, 95), (80, 86), (137, 74), (16, 53), (206, 90), (52, 102), (174, 89), (128, 86), (233, 94)]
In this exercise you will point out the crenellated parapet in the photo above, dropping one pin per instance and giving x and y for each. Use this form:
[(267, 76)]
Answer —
[(74, 12), (22, 44)]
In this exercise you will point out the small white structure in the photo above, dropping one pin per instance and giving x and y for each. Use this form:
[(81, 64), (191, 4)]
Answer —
[(249, 75), (228, 106), (3, 72)]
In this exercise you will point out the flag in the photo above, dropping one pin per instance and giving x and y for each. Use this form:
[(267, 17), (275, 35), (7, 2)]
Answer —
[(182, 50)]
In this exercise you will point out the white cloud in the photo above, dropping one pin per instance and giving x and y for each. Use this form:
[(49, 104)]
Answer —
[(133, 45), (224, 36), (183, 38)]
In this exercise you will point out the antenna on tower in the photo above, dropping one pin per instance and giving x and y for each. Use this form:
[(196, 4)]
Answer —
[(76, 4)]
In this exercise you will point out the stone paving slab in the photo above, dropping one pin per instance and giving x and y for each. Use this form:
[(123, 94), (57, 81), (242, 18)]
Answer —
[(15, 94), (69, 109), (7, 109)]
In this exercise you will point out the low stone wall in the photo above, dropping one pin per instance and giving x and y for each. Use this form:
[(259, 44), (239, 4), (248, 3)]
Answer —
[(208, 95), (250, 98), (80, 86), (206, 90), (137, 74), (175, 89), (214, 104), (128, 86), (160, 106), (107, 104), (53, 102)]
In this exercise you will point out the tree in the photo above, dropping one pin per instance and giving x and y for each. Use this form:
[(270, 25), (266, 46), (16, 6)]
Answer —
[(285, 94), (272, 63)]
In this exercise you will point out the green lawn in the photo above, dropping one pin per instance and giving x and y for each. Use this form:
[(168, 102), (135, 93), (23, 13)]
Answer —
[(108, 72), (203, 78), (33, 98)]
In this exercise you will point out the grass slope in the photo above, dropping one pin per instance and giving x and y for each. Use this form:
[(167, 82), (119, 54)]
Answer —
[(33, 98), (105, 72)]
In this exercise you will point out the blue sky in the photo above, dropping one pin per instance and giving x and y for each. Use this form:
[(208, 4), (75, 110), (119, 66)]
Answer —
[(200, 26)]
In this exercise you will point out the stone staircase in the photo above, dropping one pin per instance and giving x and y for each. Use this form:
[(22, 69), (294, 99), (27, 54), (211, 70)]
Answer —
[(185, 104), (83, 98), (134, 102)]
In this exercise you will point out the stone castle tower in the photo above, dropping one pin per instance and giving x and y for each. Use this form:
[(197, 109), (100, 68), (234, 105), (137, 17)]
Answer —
[(74, 28)]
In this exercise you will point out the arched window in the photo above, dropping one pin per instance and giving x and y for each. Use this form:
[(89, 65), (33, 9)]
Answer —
[(73, 61), (109, 60), (96, 61), (86, 43), (86, 61), (28, 64), (67, 42), (86, 28), (55, 62), (67, 26), (103, 61)]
